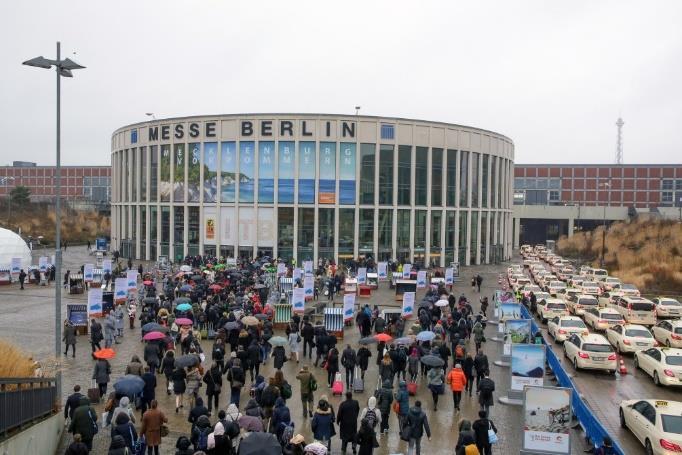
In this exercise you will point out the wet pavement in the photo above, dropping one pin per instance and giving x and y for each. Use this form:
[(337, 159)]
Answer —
[(28, 320)]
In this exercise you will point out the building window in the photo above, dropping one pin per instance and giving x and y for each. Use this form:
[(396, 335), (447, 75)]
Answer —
[(554, 196), (152, 233), (193, 231), (403, 235), (367, 165), (678, 185), (133, 136), (667, 185), (463, 178), (473, 248), (475, 163), (451, 189), (484, 182), (285, 233), (366, 233), (519, 183), (421, 170), (385, 234), (450, 240), (346, 234), (419, 230), (555, 184), (325, 227), (178, 233), (165, 230), (387, 132), (386, 175), (154, 176), (463, 225), (667, 197), (306, 234), (404, 174), (143, 174), (436, 177)]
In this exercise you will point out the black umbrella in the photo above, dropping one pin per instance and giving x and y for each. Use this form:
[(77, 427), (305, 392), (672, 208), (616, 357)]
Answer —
[(232, 325), (368, 340), (129, 385), (154, 327), (188, 360), (257, 443), (149, 301), (197, 277), (432, 361)]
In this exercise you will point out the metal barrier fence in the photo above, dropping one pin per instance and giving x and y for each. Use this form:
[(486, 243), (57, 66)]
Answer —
[(591, 425), (23, 400)]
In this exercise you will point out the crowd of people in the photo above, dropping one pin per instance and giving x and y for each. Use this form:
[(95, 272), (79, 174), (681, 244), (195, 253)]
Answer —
[(233, 308)]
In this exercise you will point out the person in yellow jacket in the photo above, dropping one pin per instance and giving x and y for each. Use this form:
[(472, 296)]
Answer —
[(457, 381)]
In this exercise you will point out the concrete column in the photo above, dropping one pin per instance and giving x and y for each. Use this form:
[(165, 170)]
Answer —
[(517, 231), (571, 226)]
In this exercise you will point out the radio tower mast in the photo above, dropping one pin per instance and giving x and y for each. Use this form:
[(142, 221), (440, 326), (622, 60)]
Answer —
[(619, 141)]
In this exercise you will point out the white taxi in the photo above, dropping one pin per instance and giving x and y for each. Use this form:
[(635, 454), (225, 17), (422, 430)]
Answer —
[(561, 328), (630, 337), (667, 307), (656, 423), (662, 364), (580, 302), (591, 351), (590, 287), (668, 332), (602, 318), (549, 308)]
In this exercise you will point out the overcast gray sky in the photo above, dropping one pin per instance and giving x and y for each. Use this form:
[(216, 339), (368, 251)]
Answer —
[(553, 76)]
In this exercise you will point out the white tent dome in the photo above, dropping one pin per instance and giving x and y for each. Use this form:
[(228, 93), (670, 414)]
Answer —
[(13, 246)]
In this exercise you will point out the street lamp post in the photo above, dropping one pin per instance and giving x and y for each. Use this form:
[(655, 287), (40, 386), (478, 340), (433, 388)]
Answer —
[(63, 68), (603, 234)]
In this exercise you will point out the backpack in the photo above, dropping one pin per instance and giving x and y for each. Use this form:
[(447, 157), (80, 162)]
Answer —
[(312, 384), (202, 443), (286, 391), (459, 351), (287, 434), (402, 356), (371, 417), (471, 449)]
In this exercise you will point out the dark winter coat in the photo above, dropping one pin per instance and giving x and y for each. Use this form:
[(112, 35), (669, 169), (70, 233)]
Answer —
[(69, 334), (385, 397), (149, 391), (418, 423), (323, 424), (125, 429), (348, 358), (486, 388), (72, 403), (403, 398), (168, 365), (366, 438), (481, 363), (480, 428), (101, 372), (117, 446), (468, 367), (347, 418), (84, 420), (213, 378), (279, 354), (280, 415), (178, 377), (151, 354), (363, 356)]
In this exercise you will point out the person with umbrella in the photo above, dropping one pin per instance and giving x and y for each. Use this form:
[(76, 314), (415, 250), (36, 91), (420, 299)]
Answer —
[(101, 374), (435, 378), (179, 386), (151, 427)]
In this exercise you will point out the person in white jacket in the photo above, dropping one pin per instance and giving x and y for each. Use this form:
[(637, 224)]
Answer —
[(371, 413)]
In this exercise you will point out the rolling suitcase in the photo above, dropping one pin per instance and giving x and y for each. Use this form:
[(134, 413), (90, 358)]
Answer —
[(412, 387), (358, 382), (93, 393), (337, 385)]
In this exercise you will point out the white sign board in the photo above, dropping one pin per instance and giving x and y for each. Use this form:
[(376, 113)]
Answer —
[(95, 303), (106, 266), (309, 287), (449, 276), (308, 266), (131, 279), (88, 272), (382, 271), (298, 300), (408, 304), (348, 306), (281, 269), (15, 267), (42, 263), (297, 274), (362, 275), (407, 269), (120, 289), (547, 420), (421, 279)]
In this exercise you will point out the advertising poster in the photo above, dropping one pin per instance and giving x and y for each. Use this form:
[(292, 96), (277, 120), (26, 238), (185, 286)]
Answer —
[(547, 418), (42, 263), (210, 171), (88, 272), (194, 172), (209, 228), (517, 331), (510, 311), (297, 274), (131, 279), (421, 279), (286, 166), (407, 269), (449, 276), (306, 172), (247, 170), (308, 267), (95, 303), (408, 304), (266, 172), (298, 300), (15, 266), (228, 171), (309, 287), (362, 275), (120, 290), (347, 173), (348, 306), (281, 269), (505, 297), (327, 180), (165, 177), (382, 271), (527, 365), (77, 315), (106, 266), (178, 173)]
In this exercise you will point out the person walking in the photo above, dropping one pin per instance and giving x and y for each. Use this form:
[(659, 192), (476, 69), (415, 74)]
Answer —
[(466, 438), (347, 418), (101, 374), (349, 360), (77, 447), (485, 392), (481, 428), (152, 354), (457, 381), (481, 365), (281, 418), (384, 401), (96, 336), (72, 402), (371, 413), (22, 278), (149, 390), (109, 330), (416, 424), (323, 424), (151, 427), (366, 439), (119, 316), (307, 384), (214, 382), (294, 340), (402, 396), (167, 368), (124, 427), (468, 368), (135, 366), (178, 377), (236, 377), (479, 280), (435, 378), (193, 380), (69, 338), (254, 359), (84, 422), (332, 365), (308, 335), (478, 334)]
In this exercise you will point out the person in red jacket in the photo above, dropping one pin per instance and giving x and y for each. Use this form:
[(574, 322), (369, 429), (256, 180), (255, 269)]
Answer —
[(458, 381)]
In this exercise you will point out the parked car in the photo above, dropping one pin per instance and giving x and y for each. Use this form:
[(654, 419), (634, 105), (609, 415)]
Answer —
[(664, 365), (667, 307), (602, 318), (562, 327), (668, 333), (552, 307), (630, 337), (636, 310), (579, 303), (656, 423), (590, 351)]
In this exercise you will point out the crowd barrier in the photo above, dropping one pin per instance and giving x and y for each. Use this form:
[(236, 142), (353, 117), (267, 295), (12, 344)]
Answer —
[(593, 428)]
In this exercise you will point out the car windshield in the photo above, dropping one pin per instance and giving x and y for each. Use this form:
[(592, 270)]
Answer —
[(588, 302), (641, 306), (671, 423), (556, 306), (573, 323), (674, 360), (557, 284), (612, 280), (630, 287), (590, 285), (611, 316), (670, 303), (597, 347), (639, 333), (678, 330)]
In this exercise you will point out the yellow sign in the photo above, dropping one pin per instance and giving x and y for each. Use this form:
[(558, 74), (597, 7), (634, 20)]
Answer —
[(210, 229)]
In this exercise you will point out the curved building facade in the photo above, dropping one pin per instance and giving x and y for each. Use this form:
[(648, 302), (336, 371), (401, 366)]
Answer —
[(309, 186)]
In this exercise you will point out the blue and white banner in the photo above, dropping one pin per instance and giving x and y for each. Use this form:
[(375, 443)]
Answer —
[(42, 263), (449, 277), (327, 180), (382, 271), (308, 267), (228, 171), (408, 304), (247, 169), (362, 275), (421, 279), (131, 279), (309, 287), (287, 169), (106, 266), (15, 267), (281, 269), (298, 300), (348, 306), (347, 173), (88, 272), (297, 274), (266, 172), (407, 269), (120, 289), (95, 303), (306, 172)]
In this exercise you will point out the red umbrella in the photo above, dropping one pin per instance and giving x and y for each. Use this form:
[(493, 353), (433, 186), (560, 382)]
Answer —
[(383, 337), (148, 283), (183, 321), (106, 353), (215, 287), (154, 336)]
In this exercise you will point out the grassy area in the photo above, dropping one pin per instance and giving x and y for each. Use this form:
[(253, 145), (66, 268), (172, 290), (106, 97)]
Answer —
[(15, 363), (646, 253)]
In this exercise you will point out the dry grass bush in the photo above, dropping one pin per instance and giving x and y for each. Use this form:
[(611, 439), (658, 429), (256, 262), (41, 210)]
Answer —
[(15, 363), (646, 253)]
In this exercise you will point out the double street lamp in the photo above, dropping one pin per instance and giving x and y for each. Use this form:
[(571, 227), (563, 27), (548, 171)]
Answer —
[(63, 68)]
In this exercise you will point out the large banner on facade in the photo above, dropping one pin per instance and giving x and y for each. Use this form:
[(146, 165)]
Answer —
[(327, 180), (348, 306), (228, 171), (228, 226), (547, 419), (298, 300), (347, 173), (247, 226), (210, 223), (421, 279), (287, 171), (306, 172), (382, 271), (266, 226), (247, 171), (95, 303), (527, 365), (266, 172), (408, 304)]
